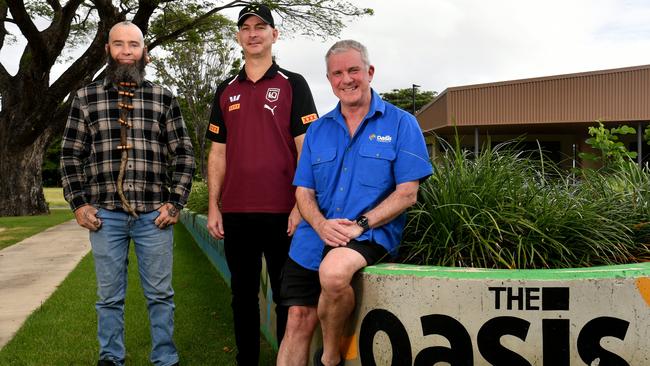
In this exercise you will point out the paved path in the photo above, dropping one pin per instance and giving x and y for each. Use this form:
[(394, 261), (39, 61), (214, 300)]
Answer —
[(31, 270)]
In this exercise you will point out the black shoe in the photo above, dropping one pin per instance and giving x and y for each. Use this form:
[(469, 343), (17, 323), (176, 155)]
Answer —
[(319, 354), (106, 363)]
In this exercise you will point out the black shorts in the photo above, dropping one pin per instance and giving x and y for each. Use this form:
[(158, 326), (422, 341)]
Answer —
[(301, 286)]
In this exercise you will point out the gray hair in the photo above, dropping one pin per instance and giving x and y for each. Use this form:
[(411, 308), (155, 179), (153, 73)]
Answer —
[(346, 45)]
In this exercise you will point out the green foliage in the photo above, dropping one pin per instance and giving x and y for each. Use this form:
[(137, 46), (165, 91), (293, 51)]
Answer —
[(194, 65), (606, 141), (62, 331), (505, 209), (403, 98), (50, 168), (198, 200)]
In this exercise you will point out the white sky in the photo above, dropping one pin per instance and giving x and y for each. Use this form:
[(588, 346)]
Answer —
[(443, 43)]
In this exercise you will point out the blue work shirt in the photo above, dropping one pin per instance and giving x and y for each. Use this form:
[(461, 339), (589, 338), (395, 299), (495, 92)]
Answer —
[(352, 175)]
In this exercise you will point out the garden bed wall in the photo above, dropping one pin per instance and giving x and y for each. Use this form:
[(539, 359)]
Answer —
[(420, 315)]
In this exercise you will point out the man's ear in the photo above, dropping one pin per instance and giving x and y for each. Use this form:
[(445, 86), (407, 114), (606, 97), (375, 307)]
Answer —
[(276, 34), (108, 52), (145, 55)]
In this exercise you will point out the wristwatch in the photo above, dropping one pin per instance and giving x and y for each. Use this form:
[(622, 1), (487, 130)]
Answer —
[(173, 211), (363, 222)]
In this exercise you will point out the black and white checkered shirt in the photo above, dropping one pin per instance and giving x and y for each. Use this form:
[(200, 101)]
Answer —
[(160, 164)]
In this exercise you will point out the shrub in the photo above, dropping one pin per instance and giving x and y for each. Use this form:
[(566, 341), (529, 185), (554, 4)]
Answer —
[(198, 200), (508, 209)]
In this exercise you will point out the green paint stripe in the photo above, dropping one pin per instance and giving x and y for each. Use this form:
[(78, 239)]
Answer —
[(625, 270)]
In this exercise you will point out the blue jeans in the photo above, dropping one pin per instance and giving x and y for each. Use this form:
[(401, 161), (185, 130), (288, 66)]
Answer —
[(153, 248)]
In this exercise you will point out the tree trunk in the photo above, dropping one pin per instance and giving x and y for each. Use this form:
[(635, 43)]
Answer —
[(21, 188)]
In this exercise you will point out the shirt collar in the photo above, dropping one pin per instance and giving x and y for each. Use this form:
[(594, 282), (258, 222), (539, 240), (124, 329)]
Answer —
[(377, 106), (269, 74)]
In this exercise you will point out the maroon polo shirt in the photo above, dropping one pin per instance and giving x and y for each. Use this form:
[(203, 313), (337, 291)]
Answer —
[(258, 122)]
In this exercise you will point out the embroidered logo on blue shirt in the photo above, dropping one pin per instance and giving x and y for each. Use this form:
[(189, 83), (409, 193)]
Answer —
[(385, 139)]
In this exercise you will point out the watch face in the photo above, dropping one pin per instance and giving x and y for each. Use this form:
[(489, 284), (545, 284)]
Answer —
[(363, 222)]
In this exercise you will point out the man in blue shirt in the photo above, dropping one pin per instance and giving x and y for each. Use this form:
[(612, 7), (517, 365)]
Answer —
[(359, 170)]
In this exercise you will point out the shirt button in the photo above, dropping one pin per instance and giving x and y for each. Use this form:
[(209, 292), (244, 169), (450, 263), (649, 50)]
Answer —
[(318, 159), (345, 169), (377, 155), (341, 189), (338, 209)]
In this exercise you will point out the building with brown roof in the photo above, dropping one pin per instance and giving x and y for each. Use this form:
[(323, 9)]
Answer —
[(555, 111)]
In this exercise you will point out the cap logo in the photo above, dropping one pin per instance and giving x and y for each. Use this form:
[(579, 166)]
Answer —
[(272, 94)]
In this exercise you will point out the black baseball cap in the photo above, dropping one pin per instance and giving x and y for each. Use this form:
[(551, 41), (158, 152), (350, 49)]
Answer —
[(260, 10)]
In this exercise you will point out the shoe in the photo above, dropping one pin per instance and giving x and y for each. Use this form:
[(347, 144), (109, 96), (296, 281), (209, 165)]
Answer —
[(106, 363), (319, 354)]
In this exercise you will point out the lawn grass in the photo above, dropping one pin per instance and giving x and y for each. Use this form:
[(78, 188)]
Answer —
[(63, 330), (16, 228), (54, 197)]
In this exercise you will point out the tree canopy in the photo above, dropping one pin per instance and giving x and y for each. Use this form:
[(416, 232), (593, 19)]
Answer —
[(35, 107), (403, 98)]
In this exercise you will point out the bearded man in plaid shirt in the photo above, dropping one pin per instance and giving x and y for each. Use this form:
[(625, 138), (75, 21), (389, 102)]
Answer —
[(127, 166)]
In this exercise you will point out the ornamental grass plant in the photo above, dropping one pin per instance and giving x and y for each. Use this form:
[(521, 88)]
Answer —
[(507, 208)]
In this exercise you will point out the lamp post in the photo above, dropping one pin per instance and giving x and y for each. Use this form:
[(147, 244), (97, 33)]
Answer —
[(413, 94)]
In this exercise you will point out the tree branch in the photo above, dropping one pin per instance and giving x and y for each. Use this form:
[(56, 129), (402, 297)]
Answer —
[(145, 9), (57, 33), (93, 58), (191, 25), (3, 19), (34, 40), (55, 5)]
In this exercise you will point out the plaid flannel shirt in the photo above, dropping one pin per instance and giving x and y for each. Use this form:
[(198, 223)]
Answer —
[(160, 164)]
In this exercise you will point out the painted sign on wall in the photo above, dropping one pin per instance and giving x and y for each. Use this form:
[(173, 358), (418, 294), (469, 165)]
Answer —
[(410, 315)]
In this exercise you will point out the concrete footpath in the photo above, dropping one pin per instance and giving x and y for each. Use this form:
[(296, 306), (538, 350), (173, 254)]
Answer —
[(31, 270)]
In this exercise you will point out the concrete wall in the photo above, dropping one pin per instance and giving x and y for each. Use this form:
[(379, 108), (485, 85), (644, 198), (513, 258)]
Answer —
[(420, 315)]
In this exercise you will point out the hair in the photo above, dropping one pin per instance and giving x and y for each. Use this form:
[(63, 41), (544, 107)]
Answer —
[(346, 45)]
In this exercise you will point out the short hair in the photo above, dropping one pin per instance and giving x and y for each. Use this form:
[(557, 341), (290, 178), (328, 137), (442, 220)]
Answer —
[(346, 45)]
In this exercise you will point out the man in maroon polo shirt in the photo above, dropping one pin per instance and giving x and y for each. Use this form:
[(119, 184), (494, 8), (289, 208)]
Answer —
[(257, 127)]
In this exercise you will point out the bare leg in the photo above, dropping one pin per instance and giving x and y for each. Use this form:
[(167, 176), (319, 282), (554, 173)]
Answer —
[(336, 302), (294, 349)]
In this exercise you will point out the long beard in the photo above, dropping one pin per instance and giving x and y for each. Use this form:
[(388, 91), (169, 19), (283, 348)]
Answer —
[(117, 72)]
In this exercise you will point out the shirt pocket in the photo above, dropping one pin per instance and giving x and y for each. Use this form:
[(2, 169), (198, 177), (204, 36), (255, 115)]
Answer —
[(375, 166), (322, 164)]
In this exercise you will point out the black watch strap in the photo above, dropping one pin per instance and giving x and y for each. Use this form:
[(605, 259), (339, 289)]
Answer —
[(363, 222)]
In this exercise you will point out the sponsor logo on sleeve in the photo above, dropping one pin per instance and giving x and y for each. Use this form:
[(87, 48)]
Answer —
[(233, 107), (309, 118), (213, 128)]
